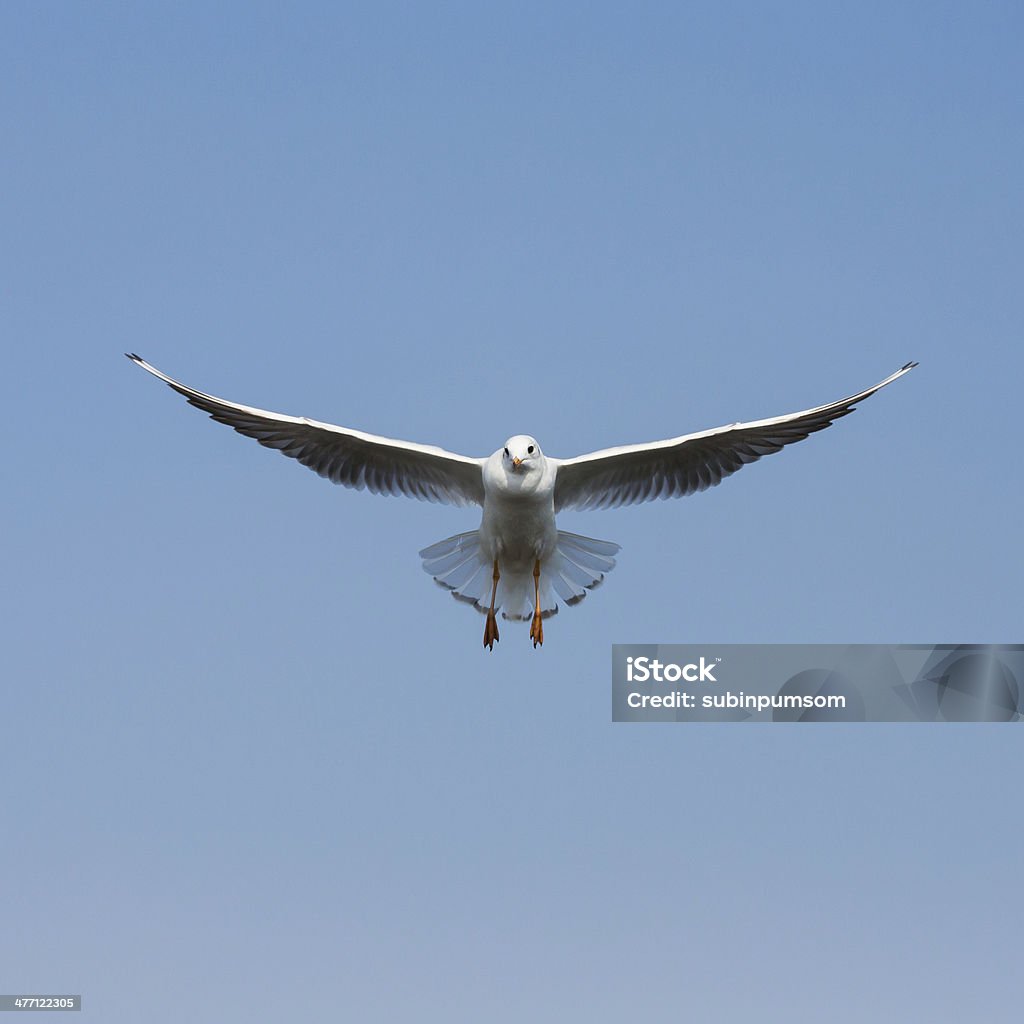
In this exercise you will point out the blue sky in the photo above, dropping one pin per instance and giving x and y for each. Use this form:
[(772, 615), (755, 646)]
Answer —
[(255, 766)]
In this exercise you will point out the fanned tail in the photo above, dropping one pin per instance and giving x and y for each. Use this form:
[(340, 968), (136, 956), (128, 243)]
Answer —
[(458, 565), (577, 565)]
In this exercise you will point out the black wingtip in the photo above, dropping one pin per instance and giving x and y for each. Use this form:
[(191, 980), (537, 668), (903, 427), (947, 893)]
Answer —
[(911, 365), (133, 357)]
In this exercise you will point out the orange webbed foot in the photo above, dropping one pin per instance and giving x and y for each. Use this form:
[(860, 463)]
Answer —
[(490, 631), (537, 631)]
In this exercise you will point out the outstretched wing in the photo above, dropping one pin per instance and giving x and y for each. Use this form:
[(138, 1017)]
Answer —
[(348, 457), (694, 462)]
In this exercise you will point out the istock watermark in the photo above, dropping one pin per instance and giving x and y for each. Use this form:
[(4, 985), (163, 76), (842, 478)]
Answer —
[(817, 683), (640, 670)]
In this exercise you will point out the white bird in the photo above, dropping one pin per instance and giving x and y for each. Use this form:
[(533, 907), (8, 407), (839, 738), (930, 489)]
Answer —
[(518, 561)]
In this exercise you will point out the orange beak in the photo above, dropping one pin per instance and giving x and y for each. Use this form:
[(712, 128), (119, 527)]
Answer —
[(517, 463)]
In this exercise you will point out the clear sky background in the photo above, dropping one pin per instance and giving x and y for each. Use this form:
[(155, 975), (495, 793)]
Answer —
[(254, 765)]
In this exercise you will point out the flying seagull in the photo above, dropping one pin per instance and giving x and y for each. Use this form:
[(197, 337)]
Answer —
[(518, 561)]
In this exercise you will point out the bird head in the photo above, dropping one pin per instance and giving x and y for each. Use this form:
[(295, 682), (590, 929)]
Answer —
[(521, 454)]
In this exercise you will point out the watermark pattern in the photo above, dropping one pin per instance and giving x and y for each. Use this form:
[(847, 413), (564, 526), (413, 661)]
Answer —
[(817, 682)]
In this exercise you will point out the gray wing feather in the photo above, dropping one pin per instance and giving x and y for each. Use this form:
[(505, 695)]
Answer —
[(348, 457), (694, 462)]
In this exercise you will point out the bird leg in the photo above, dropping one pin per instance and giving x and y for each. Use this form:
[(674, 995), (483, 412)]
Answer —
[(536, 627), (491, 626)]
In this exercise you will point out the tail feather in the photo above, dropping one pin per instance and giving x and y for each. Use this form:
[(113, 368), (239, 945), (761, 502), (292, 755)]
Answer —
[(457, 565), (462, 545), (577, 565), (575, 575), (444, 565), (607, 548)]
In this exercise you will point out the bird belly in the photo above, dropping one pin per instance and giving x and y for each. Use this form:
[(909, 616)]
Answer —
[(517, 533)]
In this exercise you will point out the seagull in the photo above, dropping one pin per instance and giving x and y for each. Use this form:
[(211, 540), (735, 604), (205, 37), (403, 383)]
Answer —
[(518, 560)]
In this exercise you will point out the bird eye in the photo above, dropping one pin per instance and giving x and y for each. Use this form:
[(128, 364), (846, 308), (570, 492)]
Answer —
[(529, 450), (506, 453)]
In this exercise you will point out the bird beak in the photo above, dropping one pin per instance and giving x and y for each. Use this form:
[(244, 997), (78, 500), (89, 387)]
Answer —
[(516, 463)]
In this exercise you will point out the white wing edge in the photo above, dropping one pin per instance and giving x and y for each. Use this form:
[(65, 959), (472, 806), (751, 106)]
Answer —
[(671, 442), (423, 449)]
